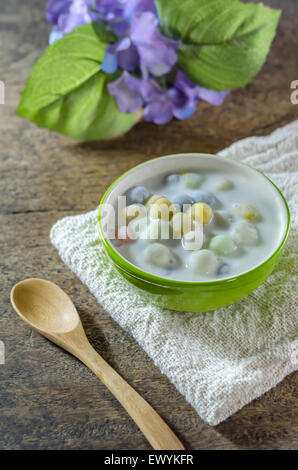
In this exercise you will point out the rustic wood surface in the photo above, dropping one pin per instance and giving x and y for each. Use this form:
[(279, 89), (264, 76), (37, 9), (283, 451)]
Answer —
[(55, 402)]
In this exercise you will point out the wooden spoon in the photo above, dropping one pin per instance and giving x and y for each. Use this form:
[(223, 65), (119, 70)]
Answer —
[(49, 310)]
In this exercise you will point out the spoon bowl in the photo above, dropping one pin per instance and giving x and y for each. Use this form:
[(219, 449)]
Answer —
[(45, 306), (49, 310)]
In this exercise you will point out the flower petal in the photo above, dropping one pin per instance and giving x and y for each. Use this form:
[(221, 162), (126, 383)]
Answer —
[(109, 63), (211, 96), (157, 52), (137, 6), (184, 112), (128, 58), (158, 112), (184, 96), (55, 8), (77, 15), (143, 27), (128, 100), (55, 34)]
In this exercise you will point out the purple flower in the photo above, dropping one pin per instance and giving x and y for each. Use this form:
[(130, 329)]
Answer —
[(55, 8), (118, 13), (160, 104), (159, 112), (132, 93), (123, 53), (196, 92), (78, 15), (144, 45), (112, 11), (131, 7), (65, 15), (157, 52), (179, 101), (184, 95), (136, 20), (211, 96), (128, 57), (126, 91), (141, 47)]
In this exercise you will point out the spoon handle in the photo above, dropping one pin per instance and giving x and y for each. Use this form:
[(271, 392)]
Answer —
[(150, 423)]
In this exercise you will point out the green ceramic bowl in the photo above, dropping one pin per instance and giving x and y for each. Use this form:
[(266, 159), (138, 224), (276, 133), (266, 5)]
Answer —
[(194, 296)]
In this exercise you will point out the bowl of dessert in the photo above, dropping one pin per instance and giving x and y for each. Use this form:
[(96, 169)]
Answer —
[(194, 232)]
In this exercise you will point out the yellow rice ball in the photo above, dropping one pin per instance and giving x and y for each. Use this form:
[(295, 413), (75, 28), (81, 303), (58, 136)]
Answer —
[(201, 212), (248, 212), (163, 209)]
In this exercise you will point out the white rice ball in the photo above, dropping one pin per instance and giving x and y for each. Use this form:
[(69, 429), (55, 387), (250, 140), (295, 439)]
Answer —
[(160, 255), (204, 262), (245, 233)]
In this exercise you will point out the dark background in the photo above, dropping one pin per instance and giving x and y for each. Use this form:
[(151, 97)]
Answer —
[(47, 398)]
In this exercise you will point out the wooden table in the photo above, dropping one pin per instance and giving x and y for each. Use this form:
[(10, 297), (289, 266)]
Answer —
[(47, 398)]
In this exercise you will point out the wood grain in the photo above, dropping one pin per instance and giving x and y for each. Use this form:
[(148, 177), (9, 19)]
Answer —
[(55, 403), (47, 309)]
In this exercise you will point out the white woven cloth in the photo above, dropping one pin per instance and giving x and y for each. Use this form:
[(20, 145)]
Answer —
[(223, 359)]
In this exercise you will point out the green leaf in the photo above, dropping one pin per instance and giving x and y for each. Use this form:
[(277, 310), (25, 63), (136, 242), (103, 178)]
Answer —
[(105, 35), (224, 42), (67, 92), (88, 113), (67, 64)]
